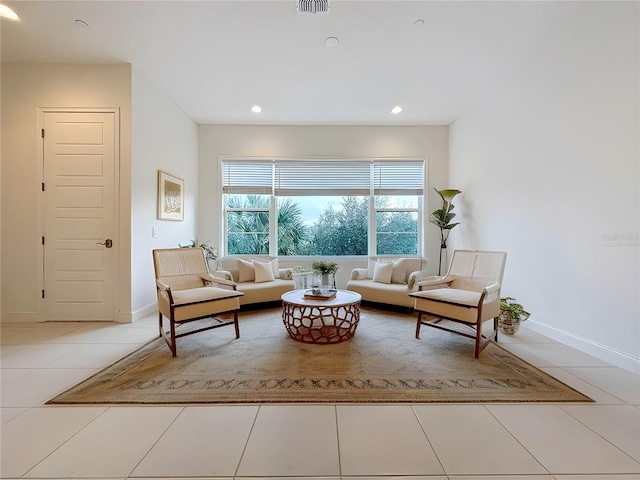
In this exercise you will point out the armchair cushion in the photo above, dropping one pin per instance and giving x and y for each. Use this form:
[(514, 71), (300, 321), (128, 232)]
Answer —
[(202, 294), (451, 295)]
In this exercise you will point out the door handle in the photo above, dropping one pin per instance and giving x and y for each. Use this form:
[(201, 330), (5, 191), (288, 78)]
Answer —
[(107, 243)]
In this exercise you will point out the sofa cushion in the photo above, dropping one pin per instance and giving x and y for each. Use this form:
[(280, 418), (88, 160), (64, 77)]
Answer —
[(382, 272), (390, 294), (263, 272), (263, 292)]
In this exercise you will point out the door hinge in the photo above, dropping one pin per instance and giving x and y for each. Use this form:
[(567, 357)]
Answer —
[(42, 133), (43, 186), (42, 293), (43, 240)]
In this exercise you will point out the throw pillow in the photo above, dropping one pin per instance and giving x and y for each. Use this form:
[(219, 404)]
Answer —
[(246, 272), (263, 272), (399, 274), (371, 266), (382, 272), (275, 268)]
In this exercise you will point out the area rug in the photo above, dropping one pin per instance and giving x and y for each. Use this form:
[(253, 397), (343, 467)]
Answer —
[(382, 363)]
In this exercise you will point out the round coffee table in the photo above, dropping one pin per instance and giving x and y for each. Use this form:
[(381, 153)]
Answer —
[(321, 321)]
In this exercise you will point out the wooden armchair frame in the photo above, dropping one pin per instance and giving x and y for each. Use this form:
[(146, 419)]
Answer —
[(188, 292), (468, 294)]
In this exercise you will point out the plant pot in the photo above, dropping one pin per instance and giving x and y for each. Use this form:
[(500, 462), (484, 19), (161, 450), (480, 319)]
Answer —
[(507, 324)]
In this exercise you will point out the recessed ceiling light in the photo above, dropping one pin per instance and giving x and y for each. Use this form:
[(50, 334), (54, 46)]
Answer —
[(397, 109), (8, 13), (82, 24), (332, 42), (256, 109)]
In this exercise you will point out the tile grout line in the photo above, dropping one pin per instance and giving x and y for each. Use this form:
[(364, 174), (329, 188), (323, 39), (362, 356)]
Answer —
[(335, 411), (424, 431), (156, 442), (246, 443), (63, 443), (598, 434), (486, 407)]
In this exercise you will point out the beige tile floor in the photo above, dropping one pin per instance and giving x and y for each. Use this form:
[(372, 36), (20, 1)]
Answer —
[(599, 441)]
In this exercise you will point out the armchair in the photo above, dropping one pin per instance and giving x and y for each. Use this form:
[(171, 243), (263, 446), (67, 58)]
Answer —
[(468, 294), (188, 292)]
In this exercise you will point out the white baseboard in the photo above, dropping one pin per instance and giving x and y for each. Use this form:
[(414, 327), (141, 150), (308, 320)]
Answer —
[(602, 352), (122, 317), (19, 317), (145, 311)]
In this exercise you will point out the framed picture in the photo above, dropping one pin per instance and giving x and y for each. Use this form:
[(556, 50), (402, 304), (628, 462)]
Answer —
[(170, 197)]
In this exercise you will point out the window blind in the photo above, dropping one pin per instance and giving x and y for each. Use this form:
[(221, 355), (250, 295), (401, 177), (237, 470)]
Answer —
[(248, 177), (399, 177), (332, 177), (322, 177)]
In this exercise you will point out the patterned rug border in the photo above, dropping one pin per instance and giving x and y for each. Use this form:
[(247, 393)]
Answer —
[(363, 389)]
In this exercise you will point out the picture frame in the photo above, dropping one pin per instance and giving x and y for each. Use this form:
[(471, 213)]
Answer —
[(170, 197)]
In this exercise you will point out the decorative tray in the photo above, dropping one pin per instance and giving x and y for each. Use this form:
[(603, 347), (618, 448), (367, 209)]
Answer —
[(324, 294)]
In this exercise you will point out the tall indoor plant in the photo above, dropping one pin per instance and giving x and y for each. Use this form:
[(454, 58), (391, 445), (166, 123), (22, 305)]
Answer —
[(442, 218)]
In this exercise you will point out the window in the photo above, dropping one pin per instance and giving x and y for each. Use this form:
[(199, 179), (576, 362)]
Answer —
[(331, 207), (397, 221), (248, 220)]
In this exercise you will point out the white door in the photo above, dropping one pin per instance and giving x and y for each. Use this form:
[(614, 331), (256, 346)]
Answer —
[(79, 250)]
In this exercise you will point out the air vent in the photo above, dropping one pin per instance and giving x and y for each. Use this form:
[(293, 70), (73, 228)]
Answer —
[(312, 6)]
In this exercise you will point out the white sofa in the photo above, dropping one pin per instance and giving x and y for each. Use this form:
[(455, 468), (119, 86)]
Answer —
[(388, 281), (258, 283)]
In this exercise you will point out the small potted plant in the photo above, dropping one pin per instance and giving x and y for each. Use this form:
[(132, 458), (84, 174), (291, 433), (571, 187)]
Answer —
[(210, 252), (326, 270), (511, 315)]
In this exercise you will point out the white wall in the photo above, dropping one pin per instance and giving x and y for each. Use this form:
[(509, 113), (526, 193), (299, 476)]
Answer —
[(25, 88), (427, 142), (164, 138), (548, 163)]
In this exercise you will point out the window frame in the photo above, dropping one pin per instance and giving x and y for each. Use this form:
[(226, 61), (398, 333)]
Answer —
[(373, 222)]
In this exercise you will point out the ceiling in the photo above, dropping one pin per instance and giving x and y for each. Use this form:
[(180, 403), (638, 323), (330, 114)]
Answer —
[(215, 59)]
